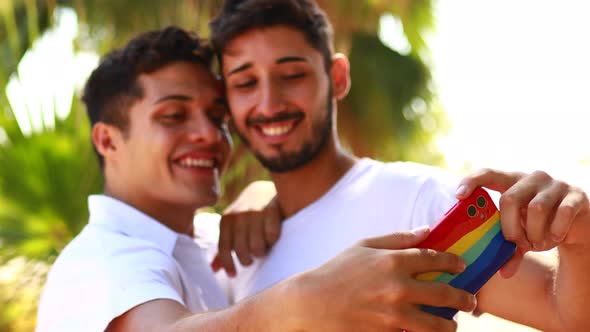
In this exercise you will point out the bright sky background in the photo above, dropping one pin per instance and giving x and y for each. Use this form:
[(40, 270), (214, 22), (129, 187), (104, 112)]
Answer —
[(514, 78)]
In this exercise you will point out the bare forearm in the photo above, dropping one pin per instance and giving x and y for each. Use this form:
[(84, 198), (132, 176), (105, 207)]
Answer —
[(271, 310), (572, 289), (259, 313)]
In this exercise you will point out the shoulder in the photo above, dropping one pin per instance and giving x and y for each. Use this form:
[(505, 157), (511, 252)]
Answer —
[(409, 174), (429, 190), (101, 275)]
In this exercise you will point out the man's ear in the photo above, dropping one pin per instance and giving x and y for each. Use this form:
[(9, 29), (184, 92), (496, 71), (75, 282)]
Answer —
[(340, 75), (106, 139)]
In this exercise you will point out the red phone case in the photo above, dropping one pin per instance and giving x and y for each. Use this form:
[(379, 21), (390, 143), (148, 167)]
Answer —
[(470, 229)]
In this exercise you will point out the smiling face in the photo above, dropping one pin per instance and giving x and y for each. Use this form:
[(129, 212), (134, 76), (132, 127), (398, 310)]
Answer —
[(177, 142), (280, 96)]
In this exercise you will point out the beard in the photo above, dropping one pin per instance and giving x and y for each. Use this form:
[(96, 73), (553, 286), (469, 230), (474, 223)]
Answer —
[(287, 161)]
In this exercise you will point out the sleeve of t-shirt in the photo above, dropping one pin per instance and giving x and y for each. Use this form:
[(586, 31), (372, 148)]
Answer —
[(435, 197), (142, 274), (85, 293)]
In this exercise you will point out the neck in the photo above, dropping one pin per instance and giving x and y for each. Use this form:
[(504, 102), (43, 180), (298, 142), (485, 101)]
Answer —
[(176, 217), (301, 187)]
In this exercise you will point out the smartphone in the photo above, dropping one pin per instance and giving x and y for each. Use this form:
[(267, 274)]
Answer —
[(470, 229)]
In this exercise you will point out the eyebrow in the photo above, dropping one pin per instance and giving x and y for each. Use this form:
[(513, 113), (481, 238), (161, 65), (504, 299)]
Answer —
[(240, 68), (173, 97), (279, 61), (291, 59)]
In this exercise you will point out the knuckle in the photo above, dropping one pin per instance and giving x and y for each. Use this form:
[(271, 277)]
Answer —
[(363, 243), (445, 293), (257, 247), (567, 212), (511, 235), (541, 175), (455, 261), (393, 262), (583, 194), (225, 225), (440, 257), (561, 186), (225, 258), (224, 247), (244, 259), (508, 199), (240, 247), (486, 171), (398, 292), (387, 263), (447, 257), (538, 206), (464, 300), (391, 320), (244, 217), (272, 233)]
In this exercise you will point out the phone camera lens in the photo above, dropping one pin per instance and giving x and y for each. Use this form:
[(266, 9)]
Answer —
[(481, 201), (471, 211)]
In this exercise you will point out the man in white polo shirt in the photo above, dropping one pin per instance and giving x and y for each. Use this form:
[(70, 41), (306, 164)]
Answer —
[(159, 129)]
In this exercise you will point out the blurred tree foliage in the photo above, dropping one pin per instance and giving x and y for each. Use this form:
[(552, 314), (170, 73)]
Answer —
[(391, 112)]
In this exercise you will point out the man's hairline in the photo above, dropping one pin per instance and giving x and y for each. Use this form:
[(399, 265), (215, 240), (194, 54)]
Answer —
[(220, 53)]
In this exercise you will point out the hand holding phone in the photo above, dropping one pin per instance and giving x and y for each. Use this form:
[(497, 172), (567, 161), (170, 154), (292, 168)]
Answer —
[(470, 229)]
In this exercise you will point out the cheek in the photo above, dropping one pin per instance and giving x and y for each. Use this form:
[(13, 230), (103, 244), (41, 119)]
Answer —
[(241, 101), (308, 94), (238, 114), (158, 147)]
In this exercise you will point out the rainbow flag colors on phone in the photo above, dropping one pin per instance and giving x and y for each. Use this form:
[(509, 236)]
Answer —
[(470, 229)]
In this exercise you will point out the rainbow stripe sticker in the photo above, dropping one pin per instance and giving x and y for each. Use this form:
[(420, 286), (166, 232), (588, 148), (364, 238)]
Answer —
[(470, 229)]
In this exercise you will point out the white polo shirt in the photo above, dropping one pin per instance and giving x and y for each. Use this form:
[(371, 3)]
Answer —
[(121, 259)]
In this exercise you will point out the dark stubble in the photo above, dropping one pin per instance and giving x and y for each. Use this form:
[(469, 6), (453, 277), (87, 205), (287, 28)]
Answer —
[(288, 161)]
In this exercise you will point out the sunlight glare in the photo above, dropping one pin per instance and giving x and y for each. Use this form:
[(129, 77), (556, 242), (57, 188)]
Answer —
[(513, 77), (48, 74)]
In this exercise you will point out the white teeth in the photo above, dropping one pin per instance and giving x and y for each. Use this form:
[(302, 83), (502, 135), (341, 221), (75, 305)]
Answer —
[(195, 162), (276, 130)]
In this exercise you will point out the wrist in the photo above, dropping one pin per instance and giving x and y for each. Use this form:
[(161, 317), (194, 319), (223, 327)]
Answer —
[(278, 308), (291, 306)]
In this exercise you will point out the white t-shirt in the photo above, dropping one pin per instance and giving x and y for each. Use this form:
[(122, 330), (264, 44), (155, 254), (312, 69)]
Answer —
[(372, 199), (121, 259)]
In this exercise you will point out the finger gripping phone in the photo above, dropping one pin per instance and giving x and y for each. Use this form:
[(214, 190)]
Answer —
[(470, 229)]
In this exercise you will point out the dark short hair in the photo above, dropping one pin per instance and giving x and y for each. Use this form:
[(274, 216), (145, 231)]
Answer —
[(239, 16), (113, 87)]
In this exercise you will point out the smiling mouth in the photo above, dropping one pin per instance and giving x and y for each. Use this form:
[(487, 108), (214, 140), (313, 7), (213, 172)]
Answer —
[(280, 125), (201, 163), (277, 129)]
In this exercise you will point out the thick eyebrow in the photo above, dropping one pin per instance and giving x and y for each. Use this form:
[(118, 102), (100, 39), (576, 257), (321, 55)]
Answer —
[(240, 68), (173, 97), (279, 61), (291, 59)]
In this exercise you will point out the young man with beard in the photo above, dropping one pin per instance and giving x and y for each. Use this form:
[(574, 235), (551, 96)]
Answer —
[(282, 82), (159, 129)]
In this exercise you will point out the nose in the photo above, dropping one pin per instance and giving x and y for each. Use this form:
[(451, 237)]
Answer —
[(271, 98), (201, 129)]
